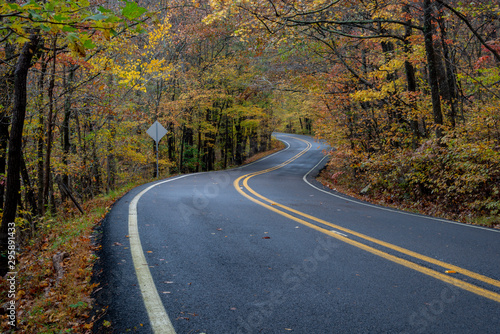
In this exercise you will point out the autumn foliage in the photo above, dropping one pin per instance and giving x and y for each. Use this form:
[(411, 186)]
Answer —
[(406, 93)]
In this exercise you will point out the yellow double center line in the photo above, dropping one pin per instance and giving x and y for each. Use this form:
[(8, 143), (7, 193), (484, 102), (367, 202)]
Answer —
[(300, 217)]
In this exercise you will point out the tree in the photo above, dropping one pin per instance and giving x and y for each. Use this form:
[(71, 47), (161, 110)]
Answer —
[(76, 22)]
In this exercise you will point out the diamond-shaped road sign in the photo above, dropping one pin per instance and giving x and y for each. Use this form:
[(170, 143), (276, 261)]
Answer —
[(157, 131)]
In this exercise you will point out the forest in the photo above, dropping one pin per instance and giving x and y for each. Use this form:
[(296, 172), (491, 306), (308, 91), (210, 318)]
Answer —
[(405, 92)]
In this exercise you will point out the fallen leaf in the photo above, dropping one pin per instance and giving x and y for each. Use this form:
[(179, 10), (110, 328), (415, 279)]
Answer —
[(266, 237)]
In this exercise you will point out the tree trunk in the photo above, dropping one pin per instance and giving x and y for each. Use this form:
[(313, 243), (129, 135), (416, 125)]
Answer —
[(181, 153), (451, 80), (15, 145), (111, 160), (238, 154), (30, 193), (431, 66), (226, 142), (254, 143), (411, 80), (7, 89), (40, 136), (48, 151), (171, 141), (66, 144)]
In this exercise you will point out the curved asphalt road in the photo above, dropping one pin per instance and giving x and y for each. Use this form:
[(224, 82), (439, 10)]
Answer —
[(266, 249)]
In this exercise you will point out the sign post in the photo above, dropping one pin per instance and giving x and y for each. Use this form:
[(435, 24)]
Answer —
[(157, 131)]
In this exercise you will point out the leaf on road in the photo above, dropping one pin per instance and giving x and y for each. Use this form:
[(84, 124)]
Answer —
[(266, 237)]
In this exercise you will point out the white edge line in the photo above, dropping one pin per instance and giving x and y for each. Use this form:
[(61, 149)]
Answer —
[(388, 209), (158, 317)]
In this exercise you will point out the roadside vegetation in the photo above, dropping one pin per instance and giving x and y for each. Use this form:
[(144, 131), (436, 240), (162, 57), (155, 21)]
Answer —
[(55, 270)]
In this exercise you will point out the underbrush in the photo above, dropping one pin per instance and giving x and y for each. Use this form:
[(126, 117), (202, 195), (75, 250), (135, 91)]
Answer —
[(453, 179), (276, 146), (55, 269)]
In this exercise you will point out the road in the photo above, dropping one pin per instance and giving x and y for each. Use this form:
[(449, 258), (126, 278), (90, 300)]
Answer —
[(266, 249)]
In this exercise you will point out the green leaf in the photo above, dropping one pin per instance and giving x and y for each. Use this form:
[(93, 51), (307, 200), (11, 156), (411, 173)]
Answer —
[(97, 17), (72, 37), (49, 6), (104, 10), (45, 28), (34, 14), (60, 18), (132, 11), (140, 30), (69, 29), (88, 44)]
